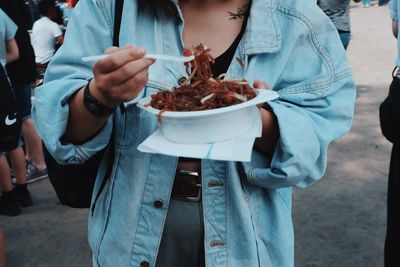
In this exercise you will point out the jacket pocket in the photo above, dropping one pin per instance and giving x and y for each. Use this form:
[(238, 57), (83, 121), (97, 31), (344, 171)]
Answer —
[(127, 127)]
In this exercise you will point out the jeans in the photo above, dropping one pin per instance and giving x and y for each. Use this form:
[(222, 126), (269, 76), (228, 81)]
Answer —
[(345, 38), (366, 2), (382, 2), (182, 243)]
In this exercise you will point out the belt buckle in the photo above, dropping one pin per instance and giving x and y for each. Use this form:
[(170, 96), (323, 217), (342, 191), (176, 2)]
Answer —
[(191, 173), (196, 198)]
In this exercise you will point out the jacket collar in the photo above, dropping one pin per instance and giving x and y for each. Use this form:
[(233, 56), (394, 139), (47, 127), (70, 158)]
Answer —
[(262, 33)]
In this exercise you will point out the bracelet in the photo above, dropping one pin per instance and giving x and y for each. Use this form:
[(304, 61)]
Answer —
[(93, 105)]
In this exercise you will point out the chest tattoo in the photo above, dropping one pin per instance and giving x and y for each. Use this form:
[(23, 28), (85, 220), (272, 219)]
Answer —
[(241, 12)]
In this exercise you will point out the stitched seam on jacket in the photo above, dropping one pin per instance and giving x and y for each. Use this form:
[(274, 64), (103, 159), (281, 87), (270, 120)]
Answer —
[(102, 8), (108, 203), (82, 152), (342, 74), (79, 154), (319, 49), (138, 214)]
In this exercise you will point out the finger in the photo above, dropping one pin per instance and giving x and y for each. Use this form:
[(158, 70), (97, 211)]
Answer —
[(114, 49), (118, 59), (111, 50), (126, 72), (259, 84), (131, 87)]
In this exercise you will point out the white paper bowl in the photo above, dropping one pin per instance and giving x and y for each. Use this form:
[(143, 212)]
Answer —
[(208, 126)]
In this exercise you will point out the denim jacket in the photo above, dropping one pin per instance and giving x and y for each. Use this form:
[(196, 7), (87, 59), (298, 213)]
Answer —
[(290, 44)]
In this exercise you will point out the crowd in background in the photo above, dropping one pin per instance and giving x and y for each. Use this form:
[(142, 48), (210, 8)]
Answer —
[(37, 29)]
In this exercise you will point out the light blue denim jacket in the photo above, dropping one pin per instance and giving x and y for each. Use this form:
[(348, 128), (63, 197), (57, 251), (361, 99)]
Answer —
[(291, 45)]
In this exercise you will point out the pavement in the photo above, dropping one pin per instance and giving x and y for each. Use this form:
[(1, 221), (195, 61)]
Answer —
[(339, 221)]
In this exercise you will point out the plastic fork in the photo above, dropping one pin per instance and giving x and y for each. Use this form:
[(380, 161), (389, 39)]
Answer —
[(153, 56)]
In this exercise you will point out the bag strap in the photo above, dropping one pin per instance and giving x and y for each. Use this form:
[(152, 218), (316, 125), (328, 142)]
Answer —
[(117, 26), (117, 21), (394, 70)]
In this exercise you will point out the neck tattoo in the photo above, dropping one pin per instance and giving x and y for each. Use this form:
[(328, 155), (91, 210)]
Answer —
[(241, 12)]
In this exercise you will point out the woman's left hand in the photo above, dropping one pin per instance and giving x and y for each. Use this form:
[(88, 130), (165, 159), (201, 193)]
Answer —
[(270, 133)]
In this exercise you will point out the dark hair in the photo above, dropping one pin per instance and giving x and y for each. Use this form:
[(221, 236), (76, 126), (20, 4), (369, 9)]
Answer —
[(45, 5), (158, 7)]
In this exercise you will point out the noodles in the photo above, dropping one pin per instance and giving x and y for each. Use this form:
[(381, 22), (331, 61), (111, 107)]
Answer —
[(202, 91)]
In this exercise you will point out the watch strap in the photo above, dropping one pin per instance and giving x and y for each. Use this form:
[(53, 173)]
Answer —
[(93, 105)]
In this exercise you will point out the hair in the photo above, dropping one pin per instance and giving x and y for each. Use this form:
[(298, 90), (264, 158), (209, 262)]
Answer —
[(158, 7), (45, 5)]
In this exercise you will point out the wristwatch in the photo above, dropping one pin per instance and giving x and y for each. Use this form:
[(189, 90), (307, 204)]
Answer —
[(93, 105)]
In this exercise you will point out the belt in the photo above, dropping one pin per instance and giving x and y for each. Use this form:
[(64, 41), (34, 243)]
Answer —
[(187, 185)]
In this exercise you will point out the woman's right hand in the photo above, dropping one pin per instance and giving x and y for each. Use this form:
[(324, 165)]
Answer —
[(121, 76)]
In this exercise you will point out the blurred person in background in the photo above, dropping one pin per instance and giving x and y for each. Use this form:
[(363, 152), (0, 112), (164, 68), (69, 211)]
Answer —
[(339, 13), (2, 249), (46, 33), (22, 73), (383, 2), (366, 3), (11, 198), (72, 3), (390, 117), (32, 11)]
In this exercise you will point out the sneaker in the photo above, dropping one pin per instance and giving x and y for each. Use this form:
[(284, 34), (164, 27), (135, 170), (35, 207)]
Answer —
[(33, 174), (23, 196), (9, 204)]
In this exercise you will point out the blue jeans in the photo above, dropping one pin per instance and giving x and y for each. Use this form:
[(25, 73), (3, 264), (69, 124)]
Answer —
[(345, 38), (382, 2), (366, 2)]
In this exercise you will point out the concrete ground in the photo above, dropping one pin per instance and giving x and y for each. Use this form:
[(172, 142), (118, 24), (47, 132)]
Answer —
[(339, 222)]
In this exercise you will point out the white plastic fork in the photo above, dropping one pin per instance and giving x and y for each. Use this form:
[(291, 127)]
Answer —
[(153, 56)]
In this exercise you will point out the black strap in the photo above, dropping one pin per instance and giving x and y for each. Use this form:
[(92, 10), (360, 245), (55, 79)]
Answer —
[(107, 175), (394, 70), (117, 21), (117, 26)]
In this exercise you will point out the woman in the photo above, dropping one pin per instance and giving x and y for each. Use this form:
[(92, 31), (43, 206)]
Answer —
[(389, 114), (243, 217), (339, 13)]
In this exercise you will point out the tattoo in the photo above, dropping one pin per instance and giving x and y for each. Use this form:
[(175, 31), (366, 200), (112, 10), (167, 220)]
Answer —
[(241, 12)]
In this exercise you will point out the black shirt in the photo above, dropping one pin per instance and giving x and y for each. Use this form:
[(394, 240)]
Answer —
[(223, 61), (24, 69)]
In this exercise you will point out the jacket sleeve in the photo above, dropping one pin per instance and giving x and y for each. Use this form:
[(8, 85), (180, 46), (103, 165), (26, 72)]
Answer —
[(313, 110), (89, 32), (389, 113)]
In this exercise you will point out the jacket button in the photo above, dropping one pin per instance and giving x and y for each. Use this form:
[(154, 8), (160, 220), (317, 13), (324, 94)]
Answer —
[(144, 264), (182, 80), (158, 204)]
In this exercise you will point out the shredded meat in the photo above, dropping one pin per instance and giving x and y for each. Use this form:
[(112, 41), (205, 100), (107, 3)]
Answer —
[(202, 91)]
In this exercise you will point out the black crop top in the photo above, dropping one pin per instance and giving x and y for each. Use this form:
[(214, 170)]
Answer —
[(223, 61)]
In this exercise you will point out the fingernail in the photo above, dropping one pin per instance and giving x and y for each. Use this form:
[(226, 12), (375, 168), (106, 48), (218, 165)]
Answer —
[(142, 51)]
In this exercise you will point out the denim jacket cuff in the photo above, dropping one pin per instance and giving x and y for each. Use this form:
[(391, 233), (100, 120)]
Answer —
[(51, 110)]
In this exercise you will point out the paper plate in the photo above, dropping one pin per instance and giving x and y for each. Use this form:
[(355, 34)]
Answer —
[(209, 126)]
